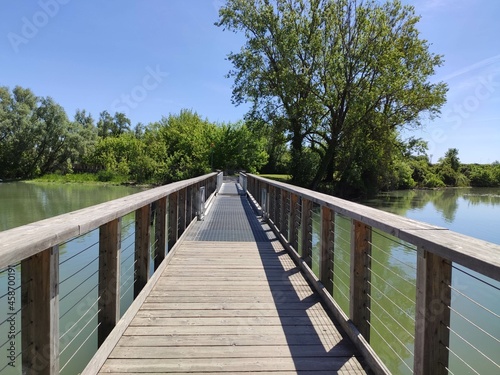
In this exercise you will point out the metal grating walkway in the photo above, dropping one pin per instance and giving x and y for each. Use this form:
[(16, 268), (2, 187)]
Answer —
[(231, 218)]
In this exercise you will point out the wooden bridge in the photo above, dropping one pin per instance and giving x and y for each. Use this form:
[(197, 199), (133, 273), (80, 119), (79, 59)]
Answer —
[(243, 282)]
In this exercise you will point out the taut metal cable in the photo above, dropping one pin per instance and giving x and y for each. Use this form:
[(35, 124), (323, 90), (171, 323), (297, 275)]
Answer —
[(390, 346)]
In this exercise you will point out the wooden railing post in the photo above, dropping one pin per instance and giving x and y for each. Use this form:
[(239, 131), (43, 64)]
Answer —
[(189, 204), (182, 211), (109, 277), (285, 213), (279, 208), (160, 232), (326, 254), (142, 233), (432, 314), (173, 219), (360, 277), (293, 238), (40, 313), (306, 223), (270, 199)]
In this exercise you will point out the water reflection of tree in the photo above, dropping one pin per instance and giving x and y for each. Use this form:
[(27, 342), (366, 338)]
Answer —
[(23, 203), (445, 201), (490, 197)]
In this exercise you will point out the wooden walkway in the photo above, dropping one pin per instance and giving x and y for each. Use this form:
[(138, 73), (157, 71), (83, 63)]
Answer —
[(238, 307)]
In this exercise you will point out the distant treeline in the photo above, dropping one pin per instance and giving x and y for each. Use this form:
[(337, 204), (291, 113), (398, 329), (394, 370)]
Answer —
[(37, 139)]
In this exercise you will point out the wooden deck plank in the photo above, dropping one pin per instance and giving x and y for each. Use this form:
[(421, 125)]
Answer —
[(224, 365), (328, 343), (264, 351), (232, 307)]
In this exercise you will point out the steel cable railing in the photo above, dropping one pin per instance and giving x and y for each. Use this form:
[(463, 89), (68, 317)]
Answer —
[(64, 268)]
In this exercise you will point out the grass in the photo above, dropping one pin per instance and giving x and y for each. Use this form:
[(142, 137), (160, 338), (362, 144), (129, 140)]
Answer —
[(277, 177), (78, 178)]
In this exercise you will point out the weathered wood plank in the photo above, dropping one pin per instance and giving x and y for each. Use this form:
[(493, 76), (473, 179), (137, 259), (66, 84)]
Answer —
[(329, 342), (312, 312), (263, 351), (223, 292), (109, 278), (360, 277), (40, 313), (229, 306), (161, 232), (142, 233), (432, 335), (323, 330), (221, 299), (173, 219), (219, 365), (231, 321)]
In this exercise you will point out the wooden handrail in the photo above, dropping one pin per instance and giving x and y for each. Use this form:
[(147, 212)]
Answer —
[(450, 245), (22, 242), (437, 249), (36, 247)]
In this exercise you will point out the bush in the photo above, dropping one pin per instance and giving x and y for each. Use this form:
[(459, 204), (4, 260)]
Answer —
[(433, 181), (106, 175)]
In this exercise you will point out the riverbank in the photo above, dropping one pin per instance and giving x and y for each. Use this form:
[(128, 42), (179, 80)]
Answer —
[(87, 179)]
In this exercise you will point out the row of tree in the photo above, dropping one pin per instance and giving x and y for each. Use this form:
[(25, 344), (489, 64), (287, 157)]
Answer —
[(36, 138), (331, 85)]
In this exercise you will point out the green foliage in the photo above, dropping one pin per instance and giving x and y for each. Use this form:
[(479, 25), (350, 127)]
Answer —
[(484, 175), (36, 139), (112, 126), (449, 169), (124, 157), (237, 147), (433, 181), (36, 136), (70, 178), (182, 144)]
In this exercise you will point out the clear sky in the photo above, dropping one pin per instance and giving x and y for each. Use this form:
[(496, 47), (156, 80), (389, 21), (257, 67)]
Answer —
[(155, 57)]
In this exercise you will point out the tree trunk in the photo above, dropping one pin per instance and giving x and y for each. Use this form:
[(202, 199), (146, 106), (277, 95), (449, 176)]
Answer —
[(323, 166)]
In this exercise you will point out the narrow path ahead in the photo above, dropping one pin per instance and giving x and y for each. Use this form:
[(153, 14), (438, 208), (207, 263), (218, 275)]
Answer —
[(232, 301)]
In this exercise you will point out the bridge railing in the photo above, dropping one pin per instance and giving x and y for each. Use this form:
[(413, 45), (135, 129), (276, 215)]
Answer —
[(66, 281), (388, 280)]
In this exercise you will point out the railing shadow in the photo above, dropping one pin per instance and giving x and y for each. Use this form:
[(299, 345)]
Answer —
[(315, 341)]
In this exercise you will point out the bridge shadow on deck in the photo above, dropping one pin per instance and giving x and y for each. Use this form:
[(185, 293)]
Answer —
[(316, 344)]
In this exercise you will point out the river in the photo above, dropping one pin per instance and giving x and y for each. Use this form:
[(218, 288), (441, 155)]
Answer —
[(474, 212), (22, 203)]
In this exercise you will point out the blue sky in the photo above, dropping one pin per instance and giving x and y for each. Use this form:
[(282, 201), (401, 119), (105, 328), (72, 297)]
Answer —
[(155, 57)]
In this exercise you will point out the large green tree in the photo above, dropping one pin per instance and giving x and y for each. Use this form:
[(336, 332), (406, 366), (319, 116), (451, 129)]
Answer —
[(36, 136), (343, 76)]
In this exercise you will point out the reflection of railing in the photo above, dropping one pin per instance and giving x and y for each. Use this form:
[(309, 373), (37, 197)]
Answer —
[(388, 280), (93, 263)]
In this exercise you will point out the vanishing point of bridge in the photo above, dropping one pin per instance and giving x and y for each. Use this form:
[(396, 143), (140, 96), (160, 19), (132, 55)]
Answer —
[(201, 276)]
